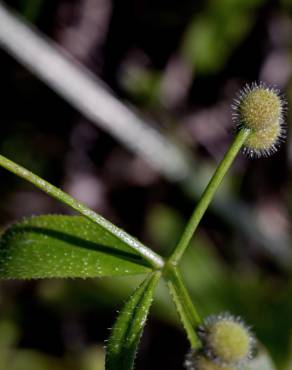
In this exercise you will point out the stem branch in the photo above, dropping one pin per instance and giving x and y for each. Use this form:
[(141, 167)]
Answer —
[(187, 312), (208, 195)]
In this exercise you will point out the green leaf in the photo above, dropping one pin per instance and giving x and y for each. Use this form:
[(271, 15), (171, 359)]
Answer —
[(65, 246), (126, 333), (150, 256)]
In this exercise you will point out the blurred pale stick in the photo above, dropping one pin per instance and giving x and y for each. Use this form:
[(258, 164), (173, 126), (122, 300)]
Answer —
[(93, 99), (88, 94)]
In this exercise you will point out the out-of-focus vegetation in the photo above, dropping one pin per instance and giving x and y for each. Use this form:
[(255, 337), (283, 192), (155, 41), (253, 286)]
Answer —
[(179, 63)]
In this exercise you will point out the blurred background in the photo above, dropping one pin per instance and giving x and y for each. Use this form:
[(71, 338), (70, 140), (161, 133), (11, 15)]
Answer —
[(177, 65)]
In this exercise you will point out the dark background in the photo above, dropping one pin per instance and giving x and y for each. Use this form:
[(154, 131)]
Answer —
[(179, 63)]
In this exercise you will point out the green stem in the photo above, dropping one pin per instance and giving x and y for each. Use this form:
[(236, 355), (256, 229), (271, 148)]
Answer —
[(186, 310), (208, 195), (154, 259)]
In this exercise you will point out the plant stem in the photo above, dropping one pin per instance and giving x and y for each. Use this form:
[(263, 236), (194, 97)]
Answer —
[(187, 312), (208, 195), (154, 259)]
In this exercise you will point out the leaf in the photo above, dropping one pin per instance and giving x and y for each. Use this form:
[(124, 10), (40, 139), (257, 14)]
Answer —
[(154, 259), (65, 246), (126, 333)]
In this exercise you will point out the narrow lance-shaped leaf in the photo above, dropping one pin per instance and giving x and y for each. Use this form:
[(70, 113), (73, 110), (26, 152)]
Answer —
[(127, 330), (149, 255), (65, 246)]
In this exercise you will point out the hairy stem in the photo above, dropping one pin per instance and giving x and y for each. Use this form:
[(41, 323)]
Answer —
[(208, 195), (186, 310), (154, 259)]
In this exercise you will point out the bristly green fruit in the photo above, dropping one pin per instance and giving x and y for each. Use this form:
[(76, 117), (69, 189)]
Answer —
[(265, 142), (260, 109), (227, 341)]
